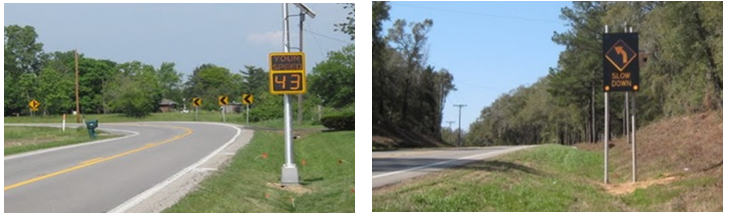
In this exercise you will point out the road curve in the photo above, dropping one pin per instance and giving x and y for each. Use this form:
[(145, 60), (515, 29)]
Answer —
[(100, 176), (390, 167)]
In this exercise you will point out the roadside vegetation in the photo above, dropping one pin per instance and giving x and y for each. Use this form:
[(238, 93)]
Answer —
[(679, 169), (25, 139), (250, 183)]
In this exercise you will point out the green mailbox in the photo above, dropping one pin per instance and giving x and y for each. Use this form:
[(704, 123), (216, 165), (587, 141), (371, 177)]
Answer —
[(91, 126)]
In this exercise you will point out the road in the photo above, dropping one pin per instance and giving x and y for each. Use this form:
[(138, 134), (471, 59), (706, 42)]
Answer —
[(99, 176), (390, 167)]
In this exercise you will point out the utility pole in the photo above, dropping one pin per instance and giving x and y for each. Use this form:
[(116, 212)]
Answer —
[(78, 106), (449, 124), (460, 106)]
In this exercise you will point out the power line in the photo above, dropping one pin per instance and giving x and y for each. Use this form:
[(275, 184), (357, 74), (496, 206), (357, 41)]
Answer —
[(317, 41), (325, 36), (478, 14)]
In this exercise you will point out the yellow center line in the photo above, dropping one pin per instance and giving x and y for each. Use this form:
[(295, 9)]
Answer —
[(98, 160), (92, 160)]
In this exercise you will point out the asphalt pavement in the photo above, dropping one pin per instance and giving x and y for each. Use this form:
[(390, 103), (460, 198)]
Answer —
[(391, 167), (99, 176)]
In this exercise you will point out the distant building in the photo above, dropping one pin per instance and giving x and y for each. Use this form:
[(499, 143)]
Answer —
[(233, 107), (167, 105)]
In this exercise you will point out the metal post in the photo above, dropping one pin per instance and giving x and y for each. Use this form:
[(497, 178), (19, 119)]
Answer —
[(197, 111), (635, 177), (247, 113), (78, 110), (222, 110), (626, 115), (607, 134), (289, 172)]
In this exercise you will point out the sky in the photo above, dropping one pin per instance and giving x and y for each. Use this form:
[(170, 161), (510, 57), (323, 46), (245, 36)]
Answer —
[(490, 48), (227, 35)]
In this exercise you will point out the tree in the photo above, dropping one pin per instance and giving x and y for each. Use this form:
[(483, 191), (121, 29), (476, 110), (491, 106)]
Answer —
[(380, 78), (23, 63), (412, 47), (135, 91), (170, 81), (255, 80), (348, 27), (210, 81), (333, 79), (58, 89)]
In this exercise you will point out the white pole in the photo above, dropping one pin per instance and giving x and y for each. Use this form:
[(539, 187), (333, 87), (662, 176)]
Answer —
[(222, 110), (247, 113), (64, 123), (289, 172), (633, 120), (607, 134), (635, 177)]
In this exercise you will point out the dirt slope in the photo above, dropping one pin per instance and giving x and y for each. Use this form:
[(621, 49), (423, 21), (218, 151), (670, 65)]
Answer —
[(687, 148)]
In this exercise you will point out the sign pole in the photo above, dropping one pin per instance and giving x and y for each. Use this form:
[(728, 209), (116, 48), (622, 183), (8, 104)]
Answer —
[(635, 177), (197, 111), (607, 134), (222, 110), (247, 112), (289, 172)]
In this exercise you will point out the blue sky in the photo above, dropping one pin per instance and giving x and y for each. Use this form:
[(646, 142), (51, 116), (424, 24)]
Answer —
[(489, 47), (228, 35)]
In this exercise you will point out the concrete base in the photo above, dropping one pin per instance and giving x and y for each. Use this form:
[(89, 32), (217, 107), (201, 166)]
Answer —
[(289, 175)]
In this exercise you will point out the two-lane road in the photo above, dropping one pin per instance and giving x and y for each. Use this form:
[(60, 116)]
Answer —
[(390, 167), (100, 176)]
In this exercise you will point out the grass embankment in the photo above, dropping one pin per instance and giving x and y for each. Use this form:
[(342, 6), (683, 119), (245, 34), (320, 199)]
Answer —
[(24, 139), (204, 116), (249, 183), (545, 178)]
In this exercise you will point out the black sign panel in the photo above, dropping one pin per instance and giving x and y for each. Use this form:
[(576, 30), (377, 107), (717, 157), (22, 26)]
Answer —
[(287, 83), (287, 62), (620, 62)]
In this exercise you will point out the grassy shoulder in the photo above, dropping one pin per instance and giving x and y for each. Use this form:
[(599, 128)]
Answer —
[(204, 116), (325, 161), (544, 178), (25, 139)]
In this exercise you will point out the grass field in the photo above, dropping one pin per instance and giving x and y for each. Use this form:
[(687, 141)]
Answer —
[(206, 116), (545, 178), (24, 139), (249, 183)]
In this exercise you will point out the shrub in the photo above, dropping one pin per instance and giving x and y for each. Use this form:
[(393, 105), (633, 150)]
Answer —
[(343, 121)]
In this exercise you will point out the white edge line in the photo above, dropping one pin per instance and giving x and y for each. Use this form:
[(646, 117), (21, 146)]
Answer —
[(448, 161), (149, 192), (15, 156)]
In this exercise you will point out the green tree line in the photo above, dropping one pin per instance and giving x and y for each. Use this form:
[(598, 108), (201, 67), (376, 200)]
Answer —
[(406, 91), (681, 43), (135, 88)]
